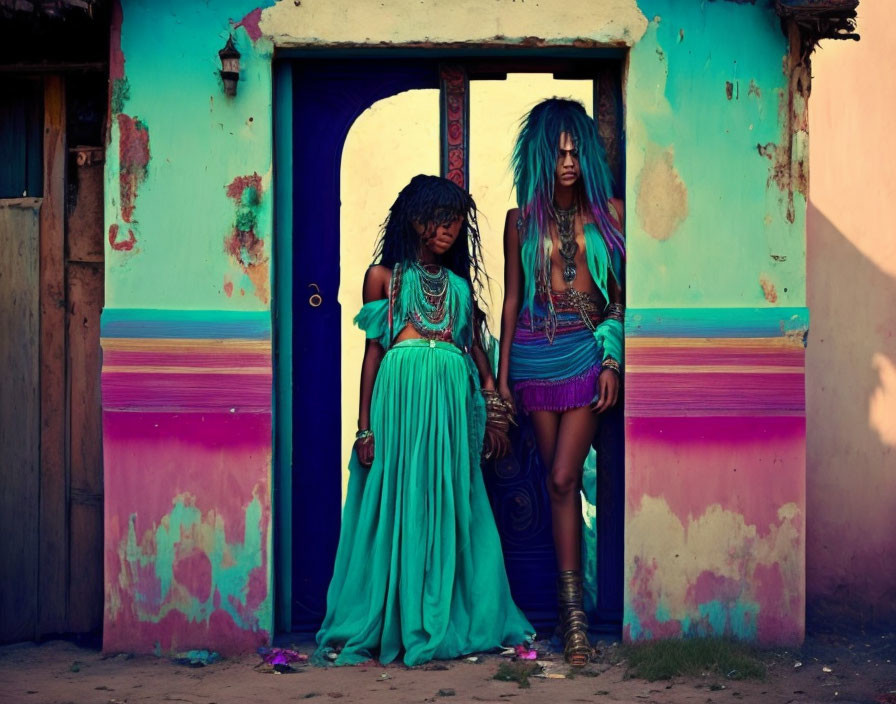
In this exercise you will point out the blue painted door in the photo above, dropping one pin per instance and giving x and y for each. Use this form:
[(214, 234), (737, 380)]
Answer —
[(327, 98)]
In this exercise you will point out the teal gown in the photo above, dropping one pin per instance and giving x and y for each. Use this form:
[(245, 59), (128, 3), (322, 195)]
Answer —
[(419, 571)]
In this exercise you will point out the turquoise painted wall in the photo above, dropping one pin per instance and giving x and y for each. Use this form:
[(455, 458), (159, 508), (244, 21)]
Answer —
[(199, 141), (706, 224)]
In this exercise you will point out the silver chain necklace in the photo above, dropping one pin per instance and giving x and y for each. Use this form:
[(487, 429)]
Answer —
[(566, 233)]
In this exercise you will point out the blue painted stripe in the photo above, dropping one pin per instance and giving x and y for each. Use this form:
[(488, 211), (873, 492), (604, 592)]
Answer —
[(190, 324), (716, 322)]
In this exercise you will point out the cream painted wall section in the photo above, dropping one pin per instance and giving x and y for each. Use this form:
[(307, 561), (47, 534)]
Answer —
[(851, 356), (496, 108), (398, 138), (391, 142), (314, 22)]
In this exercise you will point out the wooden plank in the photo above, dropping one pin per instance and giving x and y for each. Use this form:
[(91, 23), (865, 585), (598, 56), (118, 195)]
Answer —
[(19, 417), (84, 228), (53, 577), (85, 303)]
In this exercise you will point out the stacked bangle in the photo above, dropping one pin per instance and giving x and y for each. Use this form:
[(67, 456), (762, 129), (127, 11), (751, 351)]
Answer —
[(615, 311), (610, 363), (364, 434), (499, 415)]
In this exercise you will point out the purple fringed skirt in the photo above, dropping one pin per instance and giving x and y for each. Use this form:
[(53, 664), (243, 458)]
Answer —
[(556, 375)]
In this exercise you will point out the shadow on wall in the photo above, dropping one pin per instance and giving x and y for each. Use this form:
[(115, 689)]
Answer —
[(851, 434)]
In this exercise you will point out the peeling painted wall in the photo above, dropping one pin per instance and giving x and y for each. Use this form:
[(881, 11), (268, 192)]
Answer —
[(716, 324), (187, 365), (177, 144), (712, 225), (709, 221), (715, 483)]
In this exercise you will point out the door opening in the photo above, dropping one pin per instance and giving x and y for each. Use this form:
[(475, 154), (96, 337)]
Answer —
[(344, 175)]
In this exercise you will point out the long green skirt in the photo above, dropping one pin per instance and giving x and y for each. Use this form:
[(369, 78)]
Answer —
[(419, 571)]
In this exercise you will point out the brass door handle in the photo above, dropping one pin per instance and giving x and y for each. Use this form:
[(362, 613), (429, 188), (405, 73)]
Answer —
[(315, 300)]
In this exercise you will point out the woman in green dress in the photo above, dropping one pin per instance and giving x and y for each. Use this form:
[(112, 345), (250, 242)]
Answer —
[(419, 572)]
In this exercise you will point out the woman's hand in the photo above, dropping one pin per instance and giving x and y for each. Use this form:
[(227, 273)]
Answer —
[(364, 450), (607, 391), (496, 445), (507, 395)]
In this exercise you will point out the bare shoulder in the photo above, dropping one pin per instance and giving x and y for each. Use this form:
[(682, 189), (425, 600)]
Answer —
[(376, 282), (511, 224)]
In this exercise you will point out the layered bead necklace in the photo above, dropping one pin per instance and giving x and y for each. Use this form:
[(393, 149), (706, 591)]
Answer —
[(428, 304)]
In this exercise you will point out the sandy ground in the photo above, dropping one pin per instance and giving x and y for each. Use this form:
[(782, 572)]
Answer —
[(861, 669)]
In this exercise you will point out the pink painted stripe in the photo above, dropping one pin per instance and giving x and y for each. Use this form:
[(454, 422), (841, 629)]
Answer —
[(234, 392), (204, 360), (690, 356), (696, 393)]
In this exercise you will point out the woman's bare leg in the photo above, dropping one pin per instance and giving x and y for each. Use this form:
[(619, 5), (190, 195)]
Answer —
[(546, 425), (563, 442), (576, 431)]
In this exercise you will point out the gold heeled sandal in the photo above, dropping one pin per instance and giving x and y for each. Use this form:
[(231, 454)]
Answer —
[(573, 622)]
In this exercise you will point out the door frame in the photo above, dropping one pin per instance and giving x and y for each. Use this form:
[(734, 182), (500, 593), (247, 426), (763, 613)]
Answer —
[(511, 60)]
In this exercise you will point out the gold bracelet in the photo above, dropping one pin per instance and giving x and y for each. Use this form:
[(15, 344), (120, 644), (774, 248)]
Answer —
[(615, 311), (610, 363)]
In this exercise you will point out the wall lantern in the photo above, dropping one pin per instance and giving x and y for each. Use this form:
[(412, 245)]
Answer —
[(230, 67)]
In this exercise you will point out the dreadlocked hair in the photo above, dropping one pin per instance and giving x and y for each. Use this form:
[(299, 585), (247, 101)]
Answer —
[(534, 163), (436, 200)]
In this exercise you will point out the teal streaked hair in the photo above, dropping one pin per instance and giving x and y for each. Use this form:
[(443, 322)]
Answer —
[(534, 163)]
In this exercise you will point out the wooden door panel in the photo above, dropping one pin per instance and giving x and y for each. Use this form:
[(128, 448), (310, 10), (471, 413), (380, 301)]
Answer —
[(19, 417)]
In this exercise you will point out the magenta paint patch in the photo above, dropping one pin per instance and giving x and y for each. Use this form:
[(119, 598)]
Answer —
[(133, 155), (748, 465), (174, 632), (148, 586), (194, 571), (255, 595), (644, 600), (714, 587), (243, 243), (219, 459), (237, 187), (121, 245), (778, 606), (251, 24), (199, 471)]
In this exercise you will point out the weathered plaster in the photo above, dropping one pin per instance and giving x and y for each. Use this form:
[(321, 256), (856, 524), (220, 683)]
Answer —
[(715, 473), (200, 141), (709, 102), (187, 449), (244, 245), (662, 203), (681, 579), (473, 22)]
